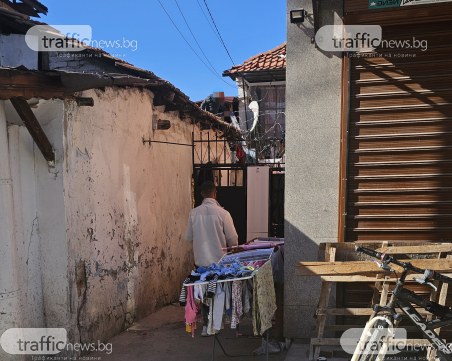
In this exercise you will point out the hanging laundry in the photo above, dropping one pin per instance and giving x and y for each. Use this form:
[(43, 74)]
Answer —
[(198, 292), (183, 293), (191, 312), (237, 310), (212, 286), (264, 299), (247, 295), (210, 330), (218, 308)]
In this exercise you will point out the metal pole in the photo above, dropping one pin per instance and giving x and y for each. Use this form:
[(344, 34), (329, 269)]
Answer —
[(208, 146), (202, 155)]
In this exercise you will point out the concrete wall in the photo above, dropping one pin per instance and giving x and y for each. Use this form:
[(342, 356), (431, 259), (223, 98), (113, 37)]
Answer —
[(313, 82)]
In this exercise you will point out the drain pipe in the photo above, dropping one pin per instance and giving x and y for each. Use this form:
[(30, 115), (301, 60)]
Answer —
[(9, 287)]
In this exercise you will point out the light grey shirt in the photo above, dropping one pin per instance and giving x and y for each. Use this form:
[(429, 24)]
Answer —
[(211, 229)]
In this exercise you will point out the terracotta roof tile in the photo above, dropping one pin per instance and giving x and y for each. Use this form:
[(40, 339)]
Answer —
[(273, 59)]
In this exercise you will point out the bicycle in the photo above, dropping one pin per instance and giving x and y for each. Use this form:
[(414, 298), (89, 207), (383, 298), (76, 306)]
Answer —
[(382, 324)]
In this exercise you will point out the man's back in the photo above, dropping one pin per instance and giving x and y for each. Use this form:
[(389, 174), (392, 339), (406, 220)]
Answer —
[(211, 229)]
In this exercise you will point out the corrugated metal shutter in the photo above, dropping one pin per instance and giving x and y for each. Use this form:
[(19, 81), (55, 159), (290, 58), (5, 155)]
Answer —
[(399, 177), (358, 12)]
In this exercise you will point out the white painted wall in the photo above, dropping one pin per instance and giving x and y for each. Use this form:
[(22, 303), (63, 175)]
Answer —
[(10, 315), (36, 268)]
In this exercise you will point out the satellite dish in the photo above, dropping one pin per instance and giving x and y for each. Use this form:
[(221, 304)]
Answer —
[(254, 107)]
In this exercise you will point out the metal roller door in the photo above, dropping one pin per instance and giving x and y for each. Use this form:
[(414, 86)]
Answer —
[(399, 152)]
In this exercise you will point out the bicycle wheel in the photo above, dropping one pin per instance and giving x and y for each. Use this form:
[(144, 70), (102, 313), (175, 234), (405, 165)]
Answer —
[(374, 341)]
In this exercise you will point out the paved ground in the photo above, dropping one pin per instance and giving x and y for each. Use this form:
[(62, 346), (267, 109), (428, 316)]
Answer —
[(162, 337)]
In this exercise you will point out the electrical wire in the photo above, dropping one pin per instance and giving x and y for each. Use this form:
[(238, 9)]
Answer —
[(208, 21), (219, 34), (194, 37), (191, 47)]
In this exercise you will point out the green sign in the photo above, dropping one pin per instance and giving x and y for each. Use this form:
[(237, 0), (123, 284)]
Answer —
[(384, 4)]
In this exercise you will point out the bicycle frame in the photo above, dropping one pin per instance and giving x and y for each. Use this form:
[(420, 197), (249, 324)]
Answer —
[(403, 299), (362, 343)]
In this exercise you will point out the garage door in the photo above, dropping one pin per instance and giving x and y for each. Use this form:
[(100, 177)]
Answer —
[(399, 157)]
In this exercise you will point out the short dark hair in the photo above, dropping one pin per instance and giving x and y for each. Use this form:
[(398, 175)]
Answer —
[(208, 189)]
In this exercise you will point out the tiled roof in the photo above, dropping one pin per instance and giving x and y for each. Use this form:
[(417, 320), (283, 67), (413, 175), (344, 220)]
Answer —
[(274, 59)]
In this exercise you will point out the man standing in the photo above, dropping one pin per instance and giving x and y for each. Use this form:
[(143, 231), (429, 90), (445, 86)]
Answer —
[(211, 229)]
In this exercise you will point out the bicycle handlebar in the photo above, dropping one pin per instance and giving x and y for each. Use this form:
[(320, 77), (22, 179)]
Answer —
[(386, 259)]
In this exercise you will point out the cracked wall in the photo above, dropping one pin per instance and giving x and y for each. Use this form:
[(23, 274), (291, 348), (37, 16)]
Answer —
[(127, 206), (99, 238), (39, 260)]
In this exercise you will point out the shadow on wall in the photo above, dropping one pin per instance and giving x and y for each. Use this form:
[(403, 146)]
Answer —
[(301, 294)]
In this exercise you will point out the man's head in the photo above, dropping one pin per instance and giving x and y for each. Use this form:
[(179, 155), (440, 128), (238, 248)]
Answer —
[(208, 190)]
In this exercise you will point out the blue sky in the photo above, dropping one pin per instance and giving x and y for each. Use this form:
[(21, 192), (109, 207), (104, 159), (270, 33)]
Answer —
[(248, 27)]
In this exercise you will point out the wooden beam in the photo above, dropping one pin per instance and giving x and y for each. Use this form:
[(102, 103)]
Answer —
[(369, 278), (365, 267), (425, 249), (162, 97), (27, 84), (336, 341), (355, 311), (347, 327), (35, 129)]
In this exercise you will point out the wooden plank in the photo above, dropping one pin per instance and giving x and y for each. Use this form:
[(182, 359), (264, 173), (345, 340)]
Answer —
[(365, 267), (443, 295), (379, 285), (354, 311), (35, 129), (17, 83), (325, 291), (321, 318), (336, 342), (431, 248), (325, 341), (346, 327), (369, 278)]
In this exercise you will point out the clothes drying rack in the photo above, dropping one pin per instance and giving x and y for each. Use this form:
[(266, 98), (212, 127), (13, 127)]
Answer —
[(227, 259)]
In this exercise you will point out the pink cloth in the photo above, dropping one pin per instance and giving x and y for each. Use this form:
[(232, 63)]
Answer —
[(191, 308)]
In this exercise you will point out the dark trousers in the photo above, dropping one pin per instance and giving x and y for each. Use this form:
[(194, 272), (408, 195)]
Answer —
[(205, 314)]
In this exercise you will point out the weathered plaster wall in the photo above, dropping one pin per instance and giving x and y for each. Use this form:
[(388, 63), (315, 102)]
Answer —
[(39, 214), (127, 205), (9, 294), (96, 242), (312, 159), (37, 265)]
